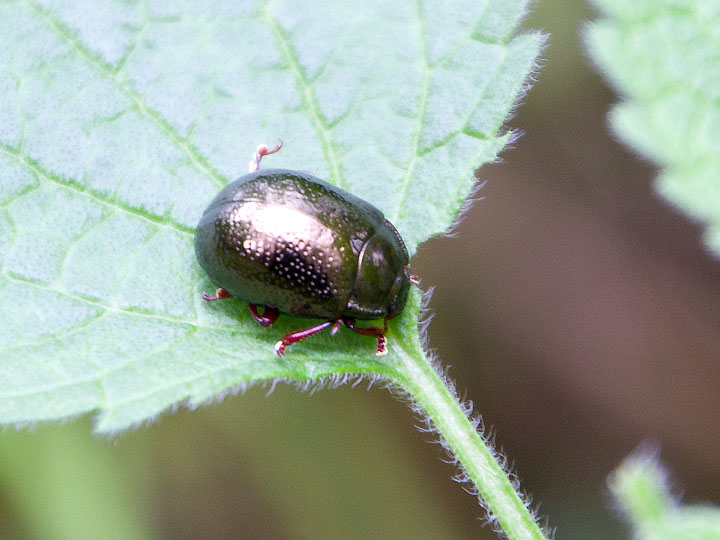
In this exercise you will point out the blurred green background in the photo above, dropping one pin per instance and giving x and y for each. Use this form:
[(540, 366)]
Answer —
[(578, 311)]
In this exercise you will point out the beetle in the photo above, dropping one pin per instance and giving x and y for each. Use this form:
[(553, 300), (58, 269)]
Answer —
[(286, 241)]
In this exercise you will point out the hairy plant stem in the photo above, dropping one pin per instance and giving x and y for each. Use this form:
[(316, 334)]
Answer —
[(432, 394)]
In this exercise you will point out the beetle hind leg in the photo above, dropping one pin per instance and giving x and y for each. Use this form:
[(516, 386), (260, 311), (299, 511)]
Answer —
[(269, 316), (293, 337), (261, 152), (374, 331)]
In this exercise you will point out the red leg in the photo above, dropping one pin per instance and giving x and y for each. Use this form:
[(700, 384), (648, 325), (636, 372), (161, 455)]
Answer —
[(294, 337), (220, 294), (262, 151), (374, 331), (269, 316), (335, 327)]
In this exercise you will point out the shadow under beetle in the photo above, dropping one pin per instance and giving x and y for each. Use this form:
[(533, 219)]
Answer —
[(292, 243)]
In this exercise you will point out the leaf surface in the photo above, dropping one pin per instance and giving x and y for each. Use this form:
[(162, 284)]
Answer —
[(120, 121)]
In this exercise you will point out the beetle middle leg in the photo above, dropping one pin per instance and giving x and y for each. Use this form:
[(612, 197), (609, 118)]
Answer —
[(294, 337), (269, 316), (373, 331)]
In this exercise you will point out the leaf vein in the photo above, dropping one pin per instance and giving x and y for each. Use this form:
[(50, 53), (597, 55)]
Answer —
[(46, 390), (116, 309), (96, 196), (133, 46), (37, 342), (154, 116), (309, 99), (425, 69)]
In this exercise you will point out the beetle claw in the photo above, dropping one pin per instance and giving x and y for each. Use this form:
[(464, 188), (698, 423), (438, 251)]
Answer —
[(280, 348)]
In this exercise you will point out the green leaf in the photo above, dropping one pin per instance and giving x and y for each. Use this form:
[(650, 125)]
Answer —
[(66, 485), (662, 57), (641, 488), (119, 122)]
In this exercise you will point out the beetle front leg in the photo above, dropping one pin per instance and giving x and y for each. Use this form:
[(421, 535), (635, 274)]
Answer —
[(220, 294), (261, 152), (269, 316), (373, 331), (294, 337)]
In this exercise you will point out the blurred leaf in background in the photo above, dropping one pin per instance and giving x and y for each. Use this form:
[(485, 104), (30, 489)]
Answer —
[(662, 57), (62, 484), (642, 489)]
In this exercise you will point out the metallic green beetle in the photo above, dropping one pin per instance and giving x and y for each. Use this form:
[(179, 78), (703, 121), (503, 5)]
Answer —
[(290, 242)]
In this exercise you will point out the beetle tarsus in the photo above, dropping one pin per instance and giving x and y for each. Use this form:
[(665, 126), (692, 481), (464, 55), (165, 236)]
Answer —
[(382, 349), (220, 294), (374, 331), (261, 152), (269, 316)]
